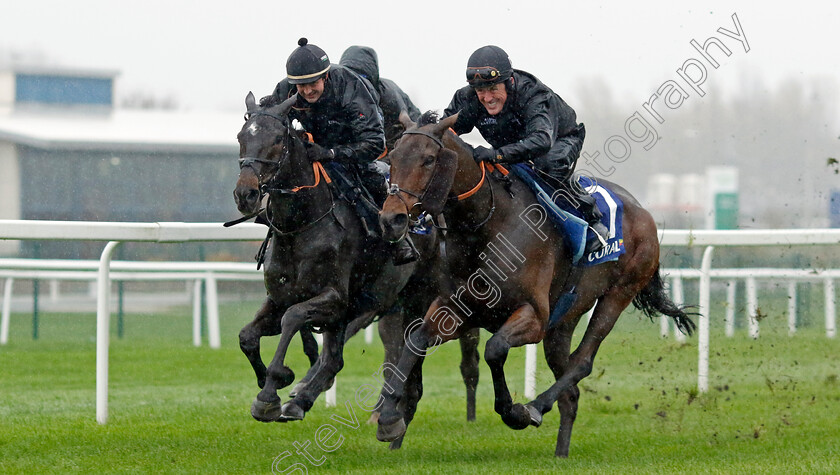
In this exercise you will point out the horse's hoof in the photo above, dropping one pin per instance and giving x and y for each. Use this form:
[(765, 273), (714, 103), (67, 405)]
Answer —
[(266, 411), (297, 389), (536, 417), (301, 386), (391, 432), (292, 412), (518, 418), (396, 444)]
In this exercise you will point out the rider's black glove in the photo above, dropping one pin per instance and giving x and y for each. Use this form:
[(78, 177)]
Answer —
[(317, 153), (484, 154)]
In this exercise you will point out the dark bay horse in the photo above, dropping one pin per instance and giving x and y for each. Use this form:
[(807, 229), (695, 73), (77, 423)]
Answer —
[(505, 275), (321, 270)]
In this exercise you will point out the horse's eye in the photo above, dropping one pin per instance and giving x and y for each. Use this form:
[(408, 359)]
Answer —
[(429, 161)]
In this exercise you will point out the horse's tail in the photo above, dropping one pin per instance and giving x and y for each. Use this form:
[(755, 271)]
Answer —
[(653, 300)]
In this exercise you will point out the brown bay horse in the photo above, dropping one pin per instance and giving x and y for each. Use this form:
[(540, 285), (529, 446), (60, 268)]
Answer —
[(505, 275), (321, 270)]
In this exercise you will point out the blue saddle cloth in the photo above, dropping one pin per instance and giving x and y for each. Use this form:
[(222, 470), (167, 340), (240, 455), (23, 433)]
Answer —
[(569, 221)]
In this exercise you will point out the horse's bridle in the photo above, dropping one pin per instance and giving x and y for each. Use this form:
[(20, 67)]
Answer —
[(265, 187), (395, 190), (248, 162)]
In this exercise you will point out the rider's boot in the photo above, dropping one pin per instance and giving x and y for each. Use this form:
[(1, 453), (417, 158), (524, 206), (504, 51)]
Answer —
[(403, 251), (593, 216)]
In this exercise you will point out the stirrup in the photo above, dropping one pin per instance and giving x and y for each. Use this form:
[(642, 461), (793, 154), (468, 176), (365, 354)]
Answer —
[(600, 241)]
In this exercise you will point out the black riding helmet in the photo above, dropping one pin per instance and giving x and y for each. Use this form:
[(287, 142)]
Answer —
[(307, 63), (488, 65)]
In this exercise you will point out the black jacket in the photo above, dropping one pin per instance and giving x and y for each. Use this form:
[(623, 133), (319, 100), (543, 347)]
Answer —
[(346, 118), (533, 122), (363, 61)]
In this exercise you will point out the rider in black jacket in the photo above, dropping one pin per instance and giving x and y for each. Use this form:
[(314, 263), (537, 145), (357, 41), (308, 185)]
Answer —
[(392, 100), (524, 121), (340, 110)]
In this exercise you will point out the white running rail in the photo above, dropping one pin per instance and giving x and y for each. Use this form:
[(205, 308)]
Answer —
[(115, 233)]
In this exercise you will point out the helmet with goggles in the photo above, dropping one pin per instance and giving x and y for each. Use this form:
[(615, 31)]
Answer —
[(488, 65)]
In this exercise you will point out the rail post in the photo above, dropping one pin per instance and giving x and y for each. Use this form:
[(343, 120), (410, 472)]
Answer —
[(103, 328)]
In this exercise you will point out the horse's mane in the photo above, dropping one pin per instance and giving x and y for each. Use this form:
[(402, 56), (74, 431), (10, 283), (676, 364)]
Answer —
[(432, 117), (428, 117)]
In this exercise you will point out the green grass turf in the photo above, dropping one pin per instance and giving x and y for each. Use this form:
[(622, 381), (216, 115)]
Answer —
[(772, 408)]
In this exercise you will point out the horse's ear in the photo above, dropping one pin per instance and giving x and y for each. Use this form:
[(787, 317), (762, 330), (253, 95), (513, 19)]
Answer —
[(406, 121), (250, 102), (286, 105), (446, 123)]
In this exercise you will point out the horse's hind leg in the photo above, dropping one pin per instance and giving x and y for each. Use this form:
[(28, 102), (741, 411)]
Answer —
[(557, 345), (580, 363), (567, 404), (266, 323), (310, 346), (469, 367)]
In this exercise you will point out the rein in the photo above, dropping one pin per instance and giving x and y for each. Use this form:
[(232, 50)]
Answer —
[(280, 232), (318, 171)]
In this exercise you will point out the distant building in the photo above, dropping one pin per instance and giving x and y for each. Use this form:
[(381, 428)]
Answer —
[(676, 201), (834, 209), (66, 153)]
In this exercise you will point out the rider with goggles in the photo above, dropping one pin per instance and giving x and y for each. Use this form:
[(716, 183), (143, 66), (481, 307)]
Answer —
[(524, 121)]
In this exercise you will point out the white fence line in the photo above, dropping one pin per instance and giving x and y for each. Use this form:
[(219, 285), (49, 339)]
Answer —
[(709, 239), (751, 278), (86, 270), (115, 233)]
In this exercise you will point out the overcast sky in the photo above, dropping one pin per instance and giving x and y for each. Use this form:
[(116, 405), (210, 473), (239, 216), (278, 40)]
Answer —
[(208, 54)]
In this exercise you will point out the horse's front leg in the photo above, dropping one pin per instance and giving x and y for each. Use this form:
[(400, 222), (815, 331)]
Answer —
[(391, 329), (310, 348), (266, 323), (308, 377), (392, 419), (408, 404), (522, 328), (267, 405), (331, 362)]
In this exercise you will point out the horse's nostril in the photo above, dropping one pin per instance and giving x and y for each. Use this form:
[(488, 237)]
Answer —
[(253, 195), (399, 221), (394, 225)]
